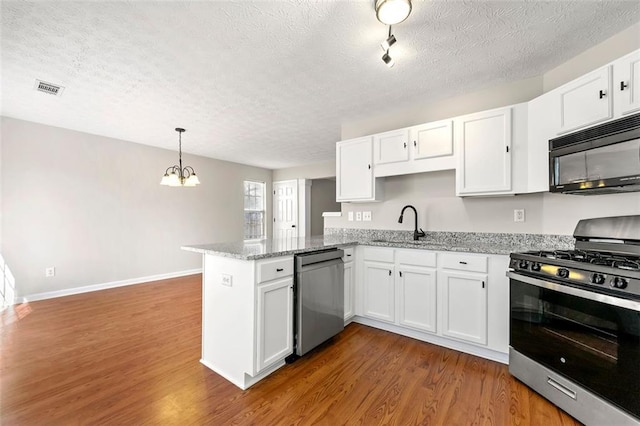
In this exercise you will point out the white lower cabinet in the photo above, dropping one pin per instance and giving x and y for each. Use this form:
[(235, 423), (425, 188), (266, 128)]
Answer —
[(417, 287), (349, 284), (274, 339), (379, 291), (464, 306), (454, 299)]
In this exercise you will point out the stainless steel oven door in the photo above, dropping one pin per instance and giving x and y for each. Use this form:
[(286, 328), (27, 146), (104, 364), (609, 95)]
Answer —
[(590, 338)]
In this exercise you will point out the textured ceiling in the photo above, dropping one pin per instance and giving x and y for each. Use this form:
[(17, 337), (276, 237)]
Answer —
[(269, 83)]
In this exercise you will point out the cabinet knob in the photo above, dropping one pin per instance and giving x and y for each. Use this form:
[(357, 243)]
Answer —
[(623, 85), (389, 272), (405, 144), (415, 143), (602, 94)]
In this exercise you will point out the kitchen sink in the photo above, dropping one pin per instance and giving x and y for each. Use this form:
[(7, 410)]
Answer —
[(415, 243)]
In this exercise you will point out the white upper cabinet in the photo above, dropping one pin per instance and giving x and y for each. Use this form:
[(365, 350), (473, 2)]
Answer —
[(354, 171), (483, 143), (585, 101), (626, 84), (543, 125), (432, 140), (391, 147)]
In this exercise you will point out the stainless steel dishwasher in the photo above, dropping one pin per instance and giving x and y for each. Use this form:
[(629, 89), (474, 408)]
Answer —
[(319, 298)]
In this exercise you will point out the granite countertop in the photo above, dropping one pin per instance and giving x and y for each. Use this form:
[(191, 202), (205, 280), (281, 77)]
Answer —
[(469, 242)]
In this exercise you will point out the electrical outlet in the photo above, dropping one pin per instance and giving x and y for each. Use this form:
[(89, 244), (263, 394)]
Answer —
[(366, 216), (350, 216), (50, 272), (518, 215), (226, 279), (358, 216)]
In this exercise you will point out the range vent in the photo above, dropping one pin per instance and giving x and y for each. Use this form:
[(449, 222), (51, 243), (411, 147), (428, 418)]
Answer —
[(52, 89)]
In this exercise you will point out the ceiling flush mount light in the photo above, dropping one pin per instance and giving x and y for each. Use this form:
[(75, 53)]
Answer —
[(178, 175), (391, 12)]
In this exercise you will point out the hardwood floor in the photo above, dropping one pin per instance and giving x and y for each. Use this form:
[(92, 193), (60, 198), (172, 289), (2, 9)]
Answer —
[(130, 356)]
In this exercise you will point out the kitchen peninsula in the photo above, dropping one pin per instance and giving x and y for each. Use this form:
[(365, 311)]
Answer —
[(247, 302)]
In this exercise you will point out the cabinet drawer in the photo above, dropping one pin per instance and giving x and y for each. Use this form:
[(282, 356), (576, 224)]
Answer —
[(464, 262), (417, 258), (378, 254), (272, 269), (348, 254)]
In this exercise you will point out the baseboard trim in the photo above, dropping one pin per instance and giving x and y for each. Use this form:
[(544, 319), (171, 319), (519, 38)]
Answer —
[(104, 286)]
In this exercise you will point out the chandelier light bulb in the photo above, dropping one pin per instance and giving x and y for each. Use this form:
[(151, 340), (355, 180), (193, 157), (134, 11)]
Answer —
[(177, 175), (388, 42)]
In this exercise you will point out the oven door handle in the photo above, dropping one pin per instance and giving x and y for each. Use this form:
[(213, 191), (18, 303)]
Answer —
[(597, 297)]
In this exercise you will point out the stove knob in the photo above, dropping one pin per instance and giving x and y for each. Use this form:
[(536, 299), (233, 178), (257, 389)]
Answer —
[(535, 266), (597, 279), (619, 282), (523, 264), (563, 273)]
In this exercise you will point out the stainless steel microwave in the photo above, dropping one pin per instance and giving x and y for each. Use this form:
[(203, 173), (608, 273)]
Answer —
[(602, 159)]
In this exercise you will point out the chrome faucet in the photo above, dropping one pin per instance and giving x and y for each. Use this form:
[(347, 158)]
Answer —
[(416, 234)]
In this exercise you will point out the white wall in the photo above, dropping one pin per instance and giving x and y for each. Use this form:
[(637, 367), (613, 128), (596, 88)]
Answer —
[(92, 207), (310, 171), (433, 195)]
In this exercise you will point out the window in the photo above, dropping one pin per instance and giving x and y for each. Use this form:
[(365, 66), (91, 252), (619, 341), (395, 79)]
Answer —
[(254, 210)]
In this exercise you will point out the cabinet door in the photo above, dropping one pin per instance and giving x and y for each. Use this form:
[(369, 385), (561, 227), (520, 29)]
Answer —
[(274, 322), (417, 297), (349, 283), (378, 285), (354, 173), (585, 101), (626, 84), (464, 306), (484, 157), (432, 139), (391, 147), (542, 126)]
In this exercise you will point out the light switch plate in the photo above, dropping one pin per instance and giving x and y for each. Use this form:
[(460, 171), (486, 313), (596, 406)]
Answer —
[(366, 216), (226, 279), (358, 216), (518, 215), (350, 216)]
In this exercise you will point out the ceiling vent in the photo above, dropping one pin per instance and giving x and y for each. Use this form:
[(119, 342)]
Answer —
[(52, 89)]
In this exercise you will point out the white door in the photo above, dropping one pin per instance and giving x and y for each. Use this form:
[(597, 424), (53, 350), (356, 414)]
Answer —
[(275, 322), (285, 209), (484, 152), (626, 84), (379, 290), (432, 139), (585, 101), (464, 306), (391, 147), (354, 173), (417, 297)]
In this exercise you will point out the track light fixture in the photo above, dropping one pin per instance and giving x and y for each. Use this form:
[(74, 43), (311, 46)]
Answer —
[(388, 59), (390, 41), (391, 12)]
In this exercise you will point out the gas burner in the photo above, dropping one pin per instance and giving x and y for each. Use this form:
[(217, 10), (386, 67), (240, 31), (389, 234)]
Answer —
[(626, 264)]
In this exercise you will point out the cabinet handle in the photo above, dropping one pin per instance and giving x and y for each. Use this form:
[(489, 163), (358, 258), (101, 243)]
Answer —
[(389, 272), (602, 94), (279, 270), (507, 149), (348, 255), (415, 143), (623, 85), (293, 226), (400, 273), (462, 263), (482, 284), (369, 166)]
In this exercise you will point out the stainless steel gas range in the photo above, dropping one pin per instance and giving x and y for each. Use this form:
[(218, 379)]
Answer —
[(575, 322)]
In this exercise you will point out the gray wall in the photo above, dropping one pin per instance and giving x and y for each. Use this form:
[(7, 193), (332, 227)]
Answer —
[(323, 199), (434, 193), (92, 207)]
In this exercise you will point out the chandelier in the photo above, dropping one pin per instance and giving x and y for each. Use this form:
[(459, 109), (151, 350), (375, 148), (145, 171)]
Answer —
[(178, 175)]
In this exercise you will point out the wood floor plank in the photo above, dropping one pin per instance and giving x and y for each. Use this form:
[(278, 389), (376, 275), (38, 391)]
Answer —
[(130, 355)]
